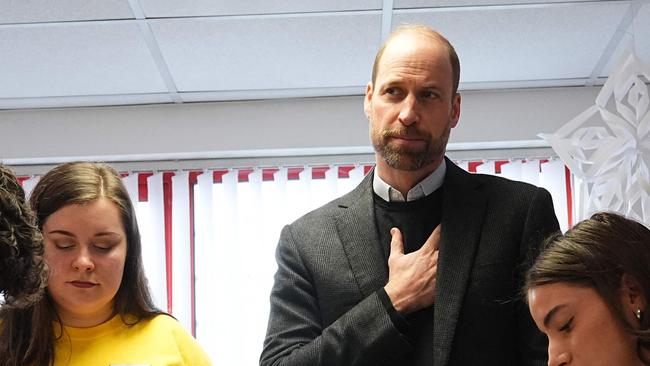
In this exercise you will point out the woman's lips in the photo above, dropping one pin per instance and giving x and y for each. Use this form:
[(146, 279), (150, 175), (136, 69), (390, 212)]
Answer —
[(83, 284)]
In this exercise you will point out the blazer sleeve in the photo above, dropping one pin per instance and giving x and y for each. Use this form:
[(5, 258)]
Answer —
[(539, 224), (364, 335)]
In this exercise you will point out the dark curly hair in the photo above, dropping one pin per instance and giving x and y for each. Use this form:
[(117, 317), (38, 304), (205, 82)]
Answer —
[(22, 270)]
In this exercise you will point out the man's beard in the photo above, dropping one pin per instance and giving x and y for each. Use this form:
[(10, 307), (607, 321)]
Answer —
[(409, 158)]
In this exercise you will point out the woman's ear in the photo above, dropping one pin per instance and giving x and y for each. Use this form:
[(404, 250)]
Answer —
[(632, 297)]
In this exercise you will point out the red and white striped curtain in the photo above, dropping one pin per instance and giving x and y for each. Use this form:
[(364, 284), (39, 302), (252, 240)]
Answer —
[(209, 238), (242, 213)]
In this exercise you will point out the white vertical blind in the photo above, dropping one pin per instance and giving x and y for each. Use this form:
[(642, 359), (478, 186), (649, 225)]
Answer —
[(181, 253), (512, 170), (553, 178), (207, 287), (530, 172), (150, 215), (247, 216), (153, 240), (131, 184), (580, 191)]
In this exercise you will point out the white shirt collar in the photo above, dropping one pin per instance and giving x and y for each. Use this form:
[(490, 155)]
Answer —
[(426, 186)]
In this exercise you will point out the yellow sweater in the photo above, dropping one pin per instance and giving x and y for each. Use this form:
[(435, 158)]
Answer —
[(160, 341)]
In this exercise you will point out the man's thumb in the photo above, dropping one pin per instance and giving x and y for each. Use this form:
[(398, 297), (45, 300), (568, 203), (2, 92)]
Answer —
[(396, 242)]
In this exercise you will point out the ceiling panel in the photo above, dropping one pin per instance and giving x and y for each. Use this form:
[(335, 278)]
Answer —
[(561, 41), (399, 4), (271, 52), (632, 39), (32, 11), (74, 52), (174, 8), (75, 59)]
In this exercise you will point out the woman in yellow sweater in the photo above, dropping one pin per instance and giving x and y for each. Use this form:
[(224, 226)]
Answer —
[(97, 309)]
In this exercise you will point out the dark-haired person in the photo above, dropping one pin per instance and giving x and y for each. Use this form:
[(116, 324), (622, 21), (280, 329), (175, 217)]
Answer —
[(97, 309), (22, 270), (589, 291)]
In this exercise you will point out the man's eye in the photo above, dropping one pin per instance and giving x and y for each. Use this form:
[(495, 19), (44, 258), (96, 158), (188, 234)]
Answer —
[(391, 91), (428, 95)]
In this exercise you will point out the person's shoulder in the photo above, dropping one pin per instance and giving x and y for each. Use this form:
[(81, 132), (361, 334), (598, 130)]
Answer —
[(166, 324), (515, 195), (497, 182), (190, 350), (329, 210), (156, 323), (458, 176), (163, 320), (166, 327)]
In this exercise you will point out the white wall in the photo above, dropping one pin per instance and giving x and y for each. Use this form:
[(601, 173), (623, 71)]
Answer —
[(265, 128)]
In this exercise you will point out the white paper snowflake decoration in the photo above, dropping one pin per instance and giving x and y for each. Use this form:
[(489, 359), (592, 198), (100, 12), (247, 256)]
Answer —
[(608, 145)]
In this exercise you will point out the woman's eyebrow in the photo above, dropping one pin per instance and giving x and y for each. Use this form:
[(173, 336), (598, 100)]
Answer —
[(61, 232), (549, 316)]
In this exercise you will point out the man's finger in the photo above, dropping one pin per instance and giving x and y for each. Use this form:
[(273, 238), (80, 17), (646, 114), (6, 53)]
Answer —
[(396, 242)]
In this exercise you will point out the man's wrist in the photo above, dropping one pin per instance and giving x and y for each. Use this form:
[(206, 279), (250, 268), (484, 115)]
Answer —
[(398, 305), (396, 318)]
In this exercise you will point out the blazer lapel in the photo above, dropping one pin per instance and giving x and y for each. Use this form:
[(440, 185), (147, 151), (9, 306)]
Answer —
[(358, 233), (462, 219)]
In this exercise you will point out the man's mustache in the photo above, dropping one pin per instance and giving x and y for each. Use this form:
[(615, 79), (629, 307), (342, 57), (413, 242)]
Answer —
[(409, 133)]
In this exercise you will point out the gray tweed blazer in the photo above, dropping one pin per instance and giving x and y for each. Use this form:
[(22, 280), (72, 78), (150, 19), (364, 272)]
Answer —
[(324, 304)]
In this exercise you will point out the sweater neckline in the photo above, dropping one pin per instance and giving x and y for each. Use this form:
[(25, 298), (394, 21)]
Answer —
[(110, 326)]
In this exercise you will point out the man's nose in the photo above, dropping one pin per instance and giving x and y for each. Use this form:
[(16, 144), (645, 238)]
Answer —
[(409, 112)]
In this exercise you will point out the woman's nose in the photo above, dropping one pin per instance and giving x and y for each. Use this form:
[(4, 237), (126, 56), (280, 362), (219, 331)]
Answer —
[(557, 356), (83, 262)]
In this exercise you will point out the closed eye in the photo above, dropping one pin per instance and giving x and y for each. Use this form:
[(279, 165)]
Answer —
[(567, 326), (104, 247), (63, 243), (64, 246)]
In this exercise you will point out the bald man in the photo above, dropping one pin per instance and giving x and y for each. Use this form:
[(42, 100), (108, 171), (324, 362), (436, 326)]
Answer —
[(422, 263)]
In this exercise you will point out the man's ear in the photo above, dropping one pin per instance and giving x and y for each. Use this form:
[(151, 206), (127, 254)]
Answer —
[(632, 296), (367, 100), (455, 110)]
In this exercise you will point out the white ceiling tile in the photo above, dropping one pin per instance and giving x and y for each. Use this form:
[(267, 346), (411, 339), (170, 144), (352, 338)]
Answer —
[(533, 42), (72, 59), (404, 4), (32, 11), (271, 52), (174, 8), (620, 52), (634, 40)]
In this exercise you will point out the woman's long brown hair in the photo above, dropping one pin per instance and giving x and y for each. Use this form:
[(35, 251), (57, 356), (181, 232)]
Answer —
[(27, 335)]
